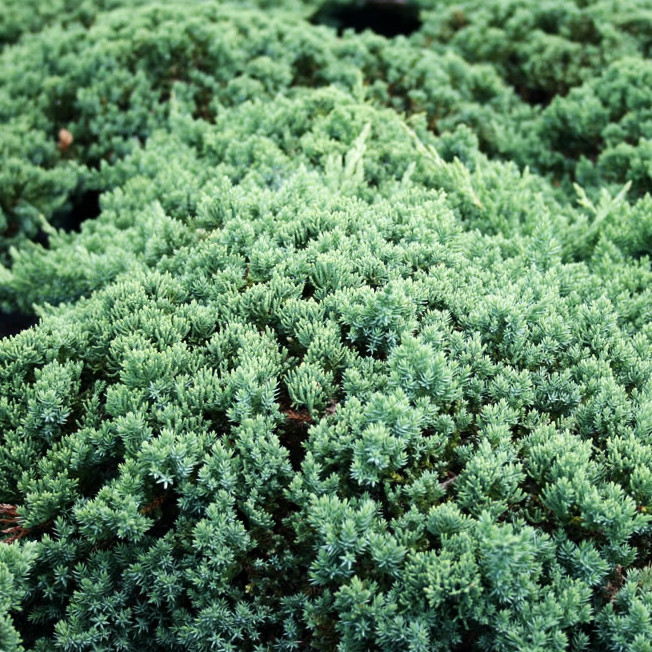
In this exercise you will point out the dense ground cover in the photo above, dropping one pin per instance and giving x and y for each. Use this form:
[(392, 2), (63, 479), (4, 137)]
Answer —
[(344, 341)]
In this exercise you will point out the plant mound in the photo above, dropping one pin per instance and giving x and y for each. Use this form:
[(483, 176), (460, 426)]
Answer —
[(344, 342)]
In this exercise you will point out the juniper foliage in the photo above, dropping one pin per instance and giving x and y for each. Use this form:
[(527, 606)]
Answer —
[(327, 371)]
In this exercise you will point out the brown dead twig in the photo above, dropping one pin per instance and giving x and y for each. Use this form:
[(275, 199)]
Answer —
[(9, 516), (65, 140), (157, 502), (613, 587), (16, 531), (447, 483), (302, 417)]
